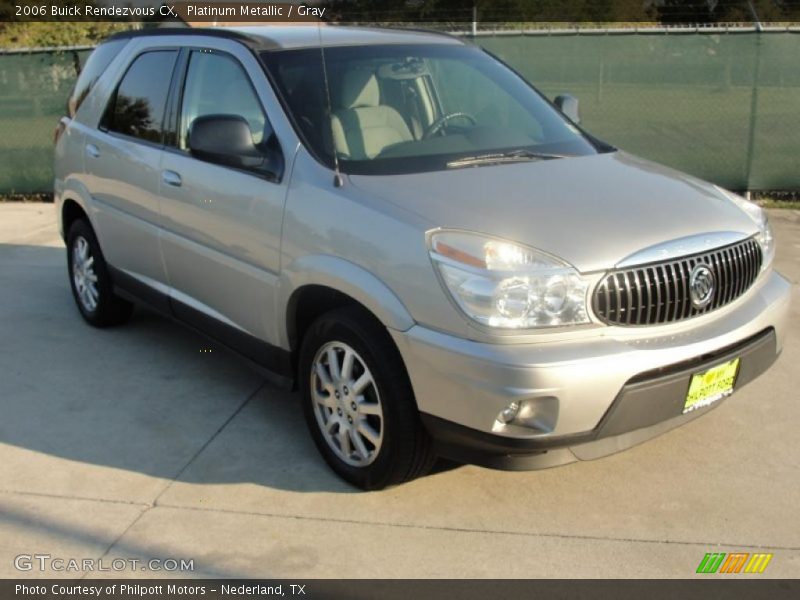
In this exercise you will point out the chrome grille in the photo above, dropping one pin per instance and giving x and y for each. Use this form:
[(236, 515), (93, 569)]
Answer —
[(659, 292)]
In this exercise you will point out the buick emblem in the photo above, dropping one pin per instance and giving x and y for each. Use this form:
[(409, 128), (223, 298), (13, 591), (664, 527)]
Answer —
[(701, 286)]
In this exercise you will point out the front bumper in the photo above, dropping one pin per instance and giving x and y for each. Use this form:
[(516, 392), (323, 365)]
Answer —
[(601, 393)]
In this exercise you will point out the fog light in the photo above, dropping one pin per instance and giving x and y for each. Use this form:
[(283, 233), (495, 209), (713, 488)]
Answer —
[(509, 413), (531, 415)]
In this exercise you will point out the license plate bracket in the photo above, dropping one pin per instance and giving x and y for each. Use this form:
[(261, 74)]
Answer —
[(711, 385)]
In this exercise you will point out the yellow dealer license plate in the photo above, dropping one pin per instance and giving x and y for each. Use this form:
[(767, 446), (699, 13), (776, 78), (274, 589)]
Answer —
[(712, 385)]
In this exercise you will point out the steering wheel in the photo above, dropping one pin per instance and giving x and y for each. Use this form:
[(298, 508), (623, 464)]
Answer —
[(437, 125)]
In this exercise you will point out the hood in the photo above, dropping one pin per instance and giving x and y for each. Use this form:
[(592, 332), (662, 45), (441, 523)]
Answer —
[(592, 211)]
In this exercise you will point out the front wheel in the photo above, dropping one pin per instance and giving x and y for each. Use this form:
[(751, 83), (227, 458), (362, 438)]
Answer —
[(358, 402)]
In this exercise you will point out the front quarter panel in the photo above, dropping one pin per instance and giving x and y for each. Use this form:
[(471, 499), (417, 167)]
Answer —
[(367, 248)]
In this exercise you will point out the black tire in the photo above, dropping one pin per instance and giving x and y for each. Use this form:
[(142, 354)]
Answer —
[(109, 309), (405, 452)]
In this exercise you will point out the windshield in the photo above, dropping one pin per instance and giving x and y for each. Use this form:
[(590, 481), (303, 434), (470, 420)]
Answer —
[(411, 108)]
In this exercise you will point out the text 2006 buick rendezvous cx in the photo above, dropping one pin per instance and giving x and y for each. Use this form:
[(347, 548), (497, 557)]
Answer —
[(399, 225)]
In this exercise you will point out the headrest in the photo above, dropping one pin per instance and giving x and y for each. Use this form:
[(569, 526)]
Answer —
[(359, 87)]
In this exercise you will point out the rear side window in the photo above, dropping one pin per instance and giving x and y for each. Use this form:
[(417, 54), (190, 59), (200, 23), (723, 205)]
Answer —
[(137, 108), (97, 62)]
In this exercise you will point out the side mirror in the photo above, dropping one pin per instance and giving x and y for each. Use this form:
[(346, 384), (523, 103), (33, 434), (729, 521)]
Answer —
[(568, 105), (225, 140)]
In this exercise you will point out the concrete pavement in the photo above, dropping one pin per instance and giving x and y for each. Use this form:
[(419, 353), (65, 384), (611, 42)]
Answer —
[(137, 442)]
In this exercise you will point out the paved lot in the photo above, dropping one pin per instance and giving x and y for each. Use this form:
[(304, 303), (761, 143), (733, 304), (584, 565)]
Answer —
[(133, 443)]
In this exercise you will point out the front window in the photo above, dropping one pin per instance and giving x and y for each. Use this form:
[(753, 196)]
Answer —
[(217, 85), (409, 108)]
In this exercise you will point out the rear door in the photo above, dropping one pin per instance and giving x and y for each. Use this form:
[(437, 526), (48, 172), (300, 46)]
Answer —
[(122, 159), (222, 225)]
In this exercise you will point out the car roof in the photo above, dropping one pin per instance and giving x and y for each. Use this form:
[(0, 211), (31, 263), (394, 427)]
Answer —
[(306, 36), (284, 37)]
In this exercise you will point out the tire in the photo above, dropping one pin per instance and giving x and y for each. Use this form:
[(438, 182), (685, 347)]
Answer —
[(396, 447), (89, 279)]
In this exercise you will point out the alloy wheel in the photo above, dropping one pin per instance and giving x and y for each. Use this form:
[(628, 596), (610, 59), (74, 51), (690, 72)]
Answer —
[(347, 404), (83, 274)]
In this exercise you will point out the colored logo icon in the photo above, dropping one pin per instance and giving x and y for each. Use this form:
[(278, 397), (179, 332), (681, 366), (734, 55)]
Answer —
[(735, 562)]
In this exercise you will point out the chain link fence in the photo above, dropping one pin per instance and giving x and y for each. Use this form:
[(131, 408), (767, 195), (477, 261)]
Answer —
[(34, 87), (721, 105), (724, 106)]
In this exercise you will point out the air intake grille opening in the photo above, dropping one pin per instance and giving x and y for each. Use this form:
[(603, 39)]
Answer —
[(659, 292)]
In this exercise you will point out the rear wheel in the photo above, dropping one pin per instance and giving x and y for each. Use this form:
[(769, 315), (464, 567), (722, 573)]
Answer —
[(358, 402), (90, 281)]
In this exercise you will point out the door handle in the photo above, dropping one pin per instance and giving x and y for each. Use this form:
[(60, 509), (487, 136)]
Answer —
[(92, 150), (171, 178)]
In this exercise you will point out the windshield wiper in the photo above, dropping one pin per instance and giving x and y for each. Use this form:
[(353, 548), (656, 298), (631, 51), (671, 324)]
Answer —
[(502, 157)]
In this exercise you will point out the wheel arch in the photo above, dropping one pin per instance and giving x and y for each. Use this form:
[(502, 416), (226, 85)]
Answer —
[(317, 284), (71, 211)]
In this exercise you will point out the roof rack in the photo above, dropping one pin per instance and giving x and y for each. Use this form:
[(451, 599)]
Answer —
[(447, 34), (256, 43)]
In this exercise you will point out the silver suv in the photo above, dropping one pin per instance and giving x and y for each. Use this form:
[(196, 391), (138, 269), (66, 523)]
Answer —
[(396, 223)]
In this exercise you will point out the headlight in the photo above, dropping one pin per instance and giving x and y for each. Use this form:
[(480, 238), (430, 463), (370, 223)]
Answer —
[(502, 284), (764, 237)]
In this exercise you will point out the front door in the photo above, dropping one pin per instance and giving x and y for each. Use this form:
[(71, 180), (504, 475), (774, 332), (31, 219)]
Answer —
[(221, 226)]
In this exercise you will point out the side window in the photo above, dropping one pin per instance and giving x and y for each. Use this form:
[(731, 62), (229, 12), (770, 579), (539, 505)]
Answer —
[(137, 108), (91, 71), (216, 84)]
